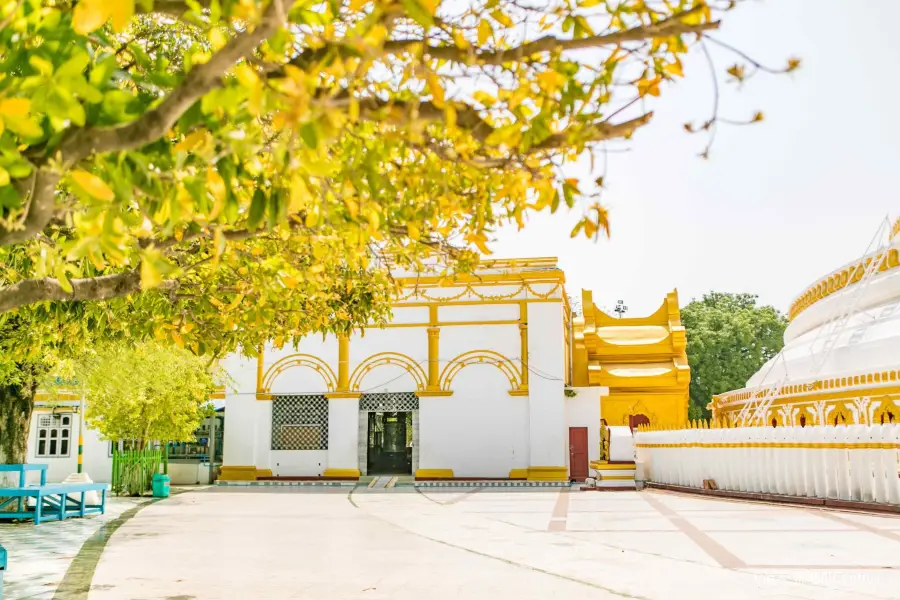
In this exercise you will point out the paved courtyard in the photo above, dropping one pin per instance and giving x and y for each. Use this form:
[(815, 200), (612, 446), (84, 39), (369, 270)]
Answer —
[(329, 543)]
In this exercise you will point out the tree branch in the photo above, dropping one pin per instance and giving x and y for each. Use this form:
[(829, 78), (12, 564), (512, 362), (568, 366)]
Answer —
[(200, 81), (103, 287), (150, 126), (673, 25)]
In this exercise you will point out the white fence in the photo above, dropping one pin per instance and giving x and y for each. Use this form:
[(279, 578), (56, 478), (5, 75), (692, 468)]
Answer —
[(857, 462)]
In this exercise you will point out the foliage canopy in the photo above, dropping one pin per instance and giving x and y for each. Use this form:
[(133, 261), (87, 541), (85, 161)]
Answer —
[(248, 164), (145, 393), (729, 338)]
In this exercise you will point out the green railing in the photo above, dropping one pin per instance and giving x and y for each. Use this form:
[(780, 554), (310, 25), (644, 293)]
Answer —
[(133, 470)]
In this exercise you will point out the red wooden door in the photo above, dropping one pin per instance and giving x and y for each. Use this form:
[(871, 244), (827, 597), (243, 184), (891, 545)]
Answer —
[(578, 453)]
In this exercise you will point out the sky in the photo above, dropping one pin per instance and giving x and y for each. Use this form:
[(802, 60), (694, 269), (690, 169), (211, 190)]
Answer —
[(778, 204)]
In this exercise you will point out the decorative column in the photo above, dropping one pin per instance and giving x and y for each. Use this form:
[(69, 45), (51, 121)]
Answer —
[(343, 384), (434, 367), (260, 371), (523, 334), (434, 345)]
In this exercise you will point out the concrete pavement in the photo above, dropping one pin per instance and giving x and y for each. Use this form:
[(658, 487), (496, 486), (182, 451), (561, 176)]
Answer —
[(470, 543)]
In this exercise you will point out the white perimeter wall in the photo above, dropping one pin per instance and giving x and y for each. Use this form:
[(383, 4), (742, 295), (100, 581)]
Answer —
[(479, 431)]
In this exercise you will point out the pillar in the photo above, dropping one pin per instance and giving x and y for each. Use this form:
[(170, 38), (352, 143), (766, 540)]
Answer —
[(434, 350), (343, 363), (523, 352)]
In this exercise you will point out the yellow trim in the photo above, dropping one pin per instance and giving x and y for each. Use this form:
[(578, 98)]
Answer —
[(341, 473), (548, 474), (263, 473), (343, 379), (616, 477), (389, 358), (472, 302), (475, 357), (803, 445), (57, 397), (523, 344), (296, 360), (604, 466), (522, 277), (332, 395), (434, 474), (518, 392), (518, 474), (429, 393), (835, 282), (434, 365), (260, 370), (843, 387), (238, 473), (441, 324)]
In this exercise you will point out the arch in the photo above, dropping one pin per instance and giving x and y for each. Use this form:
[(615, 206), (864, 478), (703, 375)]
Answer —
[(480, 357), (389, 358), (299, 360)]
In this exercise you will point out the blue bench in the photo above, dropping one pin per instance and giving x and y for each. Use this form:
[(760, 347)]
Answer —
[(51, 502)]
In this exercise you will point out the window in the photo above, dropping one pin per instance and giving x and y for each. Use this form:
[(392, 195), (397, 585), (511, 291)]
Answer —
[(54, 435), (300, 423)]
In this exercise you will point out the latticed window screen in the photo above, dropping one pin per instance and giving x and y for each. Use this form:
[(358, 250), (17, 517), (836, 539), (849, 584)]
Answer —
[(389, 402), (300, 423)]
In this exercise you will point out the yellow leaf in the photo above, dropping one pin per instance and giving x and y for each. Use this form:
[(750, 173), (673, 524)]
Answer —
[(289, 281), (234, 303), (15, 108), (91, 14), (413, 232), (736, 71), (358, 4), (648, 86), (150, 275), (436, 89), (192, 141), (92, 185), (485, 31), (480, 241), (121, 12), (215, 184), (352, 206), (550, 81), (674, 69), (758, 117), (502, 18)]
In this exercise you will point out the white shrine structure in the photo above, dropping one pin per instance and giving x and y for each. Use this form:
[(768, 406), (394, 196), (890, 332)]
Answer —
[(482, 375)]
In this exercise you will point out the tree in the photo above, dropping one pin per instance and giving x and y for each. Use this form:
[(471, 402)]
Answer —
[(214, 173), (729, 338), (151, 392)]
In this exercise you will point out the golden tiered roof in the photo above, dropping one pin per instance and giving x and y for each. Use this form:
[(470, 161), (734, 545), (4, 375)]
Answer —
[(641, 360)]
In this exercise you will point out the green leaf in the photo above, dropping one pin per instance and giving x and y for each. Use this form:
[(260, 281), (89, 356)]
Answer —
[(419, 12)]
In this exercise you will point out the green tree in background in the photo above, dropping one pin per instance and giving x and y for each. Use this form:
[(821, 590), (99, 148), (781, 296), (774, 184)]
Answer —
[(729, 337), (146, 392)]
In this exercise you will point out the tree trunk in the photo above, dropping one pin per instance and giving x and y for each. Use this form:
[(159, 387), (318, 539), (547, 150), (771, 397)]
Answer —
[(16, 406)]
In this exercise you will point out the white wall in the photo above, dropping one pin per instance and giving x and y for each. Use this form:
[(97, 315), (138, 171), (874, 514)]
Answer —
[(97, 461), (479, 431), (547, 410), (343, 433), (584, 411)]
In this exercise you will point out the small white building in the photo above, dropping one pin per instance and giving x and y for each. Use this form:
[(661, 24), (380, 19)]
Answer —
[(468, 379)]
